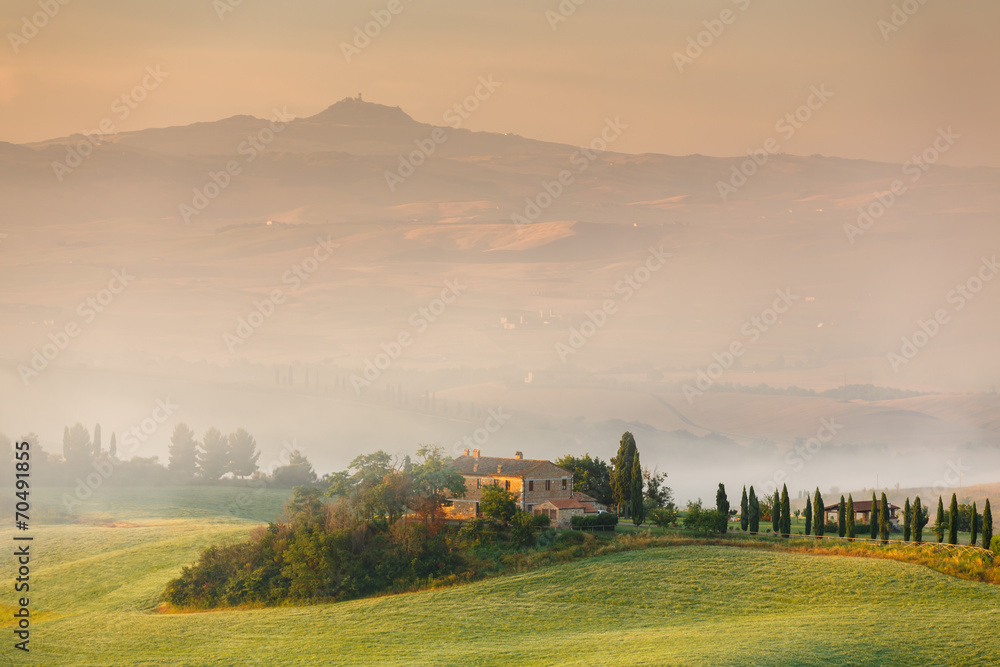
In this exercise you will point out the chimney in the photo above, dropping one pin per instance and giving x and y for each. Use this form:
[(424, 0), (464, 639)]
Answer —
[(518, 455), (499, 468), (475, 452), (465, 452)]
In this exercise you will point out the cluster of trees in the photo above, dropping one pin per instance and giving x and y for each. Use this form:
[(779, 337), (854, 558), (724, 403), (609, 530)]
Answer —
[(624, 484), (709, 521)]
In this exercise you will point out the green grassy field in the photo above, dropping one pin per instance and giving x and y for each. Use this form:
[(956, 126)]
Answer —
[(99, 585)]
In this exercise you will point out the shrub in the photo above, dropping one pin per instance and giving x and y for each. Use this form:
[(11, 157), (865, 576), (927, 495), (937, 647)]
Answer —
[(522, 529), (663, 517), (604, 519), (995, 545), (571, 538), (541, 520)]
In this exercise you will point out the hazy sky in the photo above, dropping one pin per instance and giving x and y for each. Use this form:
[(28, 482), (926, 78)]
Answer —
[(606, 59)]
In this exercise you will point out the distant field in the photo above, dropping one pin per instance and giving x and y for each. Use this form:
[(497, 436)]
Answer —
[(682, 605)]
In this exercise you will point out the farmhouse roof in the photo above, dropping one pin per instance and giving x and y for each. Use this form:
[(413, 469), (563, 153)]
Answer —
[(495, 466), (859, 506)]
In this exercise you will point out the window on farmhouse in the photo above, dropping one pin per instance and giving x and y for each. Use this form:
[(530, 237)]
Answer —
[(531, 485), (548, 485), (479, 483), (564, 485), (507, 484)]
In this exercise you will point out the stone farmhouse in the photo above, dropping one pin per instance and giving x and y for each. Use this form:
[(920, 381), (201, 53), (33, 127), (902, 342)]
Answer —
[(541, 487), (863, 511)]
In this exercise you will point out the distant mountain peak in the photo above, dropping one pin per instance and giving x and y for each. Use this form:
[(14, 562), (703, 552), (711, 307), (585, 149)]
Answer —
[(355, 111)]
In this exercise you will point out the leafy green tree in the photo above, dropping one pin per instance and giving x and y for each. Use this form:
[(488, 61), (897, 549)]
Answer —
[(850, 528), (78, 450), (638, 508), (522, 529), (722, 507), (953, 520), (754, 509), (298, 472), (213, 456), (657, 493), (183, 452), (434, 480), (975, 521), (987, 525), (883, 520), (819, 518), (920, 519), (497, 503), (243, 453), (841, 517), (873, 519), (744, 511), (702, 520), (591, 476), (939, 522), (809, 515), (786, 512), (907, 520), (621, 476)]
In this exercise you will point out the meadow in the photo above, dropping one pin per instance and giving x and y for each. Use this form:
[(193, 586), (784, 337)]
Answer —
[(96, 588)]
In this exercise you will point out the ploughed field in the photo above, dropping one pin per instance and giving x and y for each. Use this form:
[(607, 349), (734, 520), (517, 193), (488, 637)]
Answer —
[(95, 588)]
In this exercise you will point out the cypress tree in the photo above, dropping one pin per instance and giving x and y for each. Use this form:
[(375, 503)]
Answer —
[(621, 477), (907, 520), (953, 520), (809, 515), (744, 510), (786, 512), (776, 513), (754, 507), (883, 520), (873, 519), (939, 525), (974, 527), (841, 518), (722, 506), (819, 516), (850, 517), (987, 525), (635, 497), (918, 521)]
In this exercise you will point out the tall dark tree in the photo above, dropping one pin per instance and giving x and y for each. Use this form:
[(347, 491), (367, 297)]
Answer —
[(907, 520), (621, 476), (213, 455), (97, 441), (638, 509), (786, 512), (939, 522), (819, 516), (920, 520), (987, 526), (744, 511), (975, 526), (883, 520), (841, 517), (722, 506), (850, 516), (754, 509), (873, 519), (183, 452), (953, 520), (243, 453), (113, 446), (809, 515), (776, 513)]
